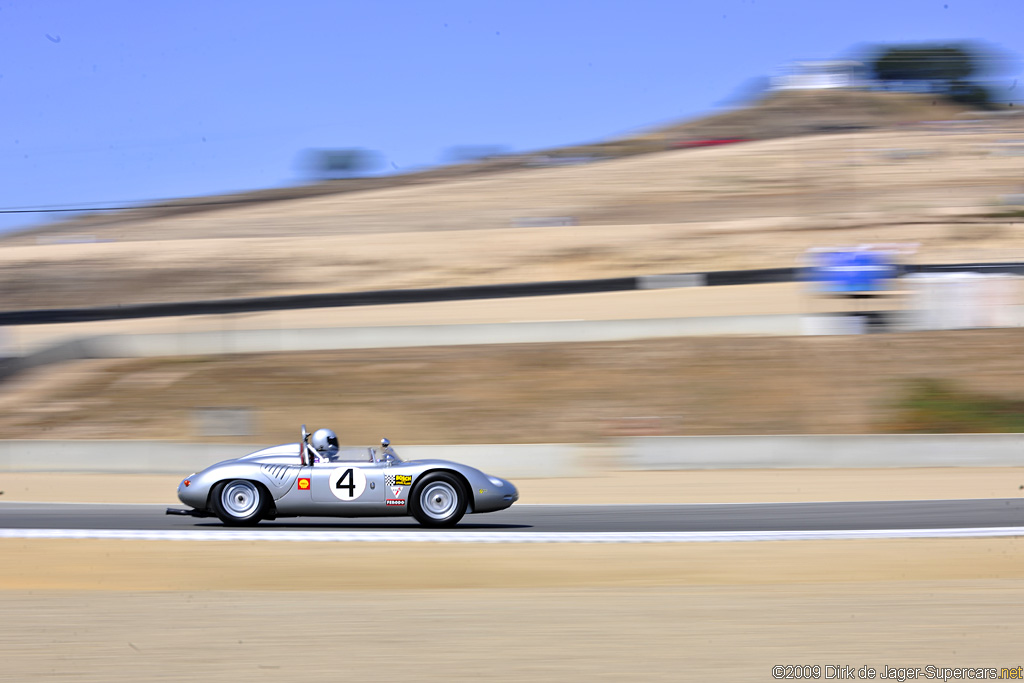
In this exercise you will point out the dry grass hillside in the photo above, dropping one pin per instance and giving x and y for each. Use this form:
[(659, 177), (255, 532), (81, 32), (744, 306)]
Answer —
[(780, 114), (531, 393), (807, 112), (754, 204)]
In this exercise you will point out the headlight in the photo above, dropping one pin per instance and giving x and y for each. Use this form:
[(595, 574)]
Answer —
[(496, 482)]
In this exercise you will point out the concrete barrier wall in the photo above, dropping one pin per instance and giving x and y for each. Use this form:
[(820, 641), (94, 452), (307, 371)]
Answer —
[(152, 457), (157, 457), (800, 451), (317, 339), (563, 460), (512, 460), (330, 338)]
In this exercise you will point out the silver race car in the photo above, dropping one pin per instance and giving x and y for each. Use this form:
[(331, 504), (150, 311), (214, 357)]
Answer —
[(319, 479)]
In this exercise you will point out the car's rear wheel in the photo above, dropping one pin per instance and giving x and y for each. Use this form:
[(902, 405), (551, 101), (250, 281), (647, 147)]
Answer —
[(438, 499), (238, 502)]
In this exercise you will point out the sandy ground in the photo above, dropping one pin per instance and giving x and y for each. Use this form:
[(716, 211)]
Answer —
[(130, 611), (696, 486), (663, 633), (147, 611), (128, 566)]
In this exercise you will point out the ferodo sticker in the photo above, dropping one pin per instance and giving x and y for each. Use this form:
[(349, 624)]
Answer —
[(303, 484), (394, 501), (347, 483), (398, 479)]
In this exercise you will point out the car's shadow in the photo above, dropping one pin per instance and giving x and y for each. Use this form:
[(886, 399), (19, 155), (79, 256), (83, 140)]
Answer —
[(355, 526)]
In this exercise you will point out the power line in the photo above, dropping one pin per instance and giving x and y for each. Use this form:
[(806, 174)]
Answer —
[(78, 210), (165, 205)]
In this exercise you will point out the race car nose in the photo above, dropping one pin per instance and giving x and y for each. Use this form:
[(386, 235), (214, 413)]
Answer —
[(511, 493)]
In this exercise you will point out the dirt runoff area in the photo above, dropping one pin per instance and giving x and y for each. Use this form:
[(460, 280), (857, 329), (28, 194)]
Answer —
[(145, 611), (88, 610)]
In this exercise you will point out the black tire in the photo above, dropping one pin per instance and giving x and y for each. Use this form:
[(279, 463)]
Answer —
[(438, 500), (238, 502)]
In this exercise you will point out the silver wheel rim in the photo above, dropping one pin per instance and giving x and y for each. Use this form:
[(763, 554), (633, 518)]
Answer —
[(439, 500), (240, 498)]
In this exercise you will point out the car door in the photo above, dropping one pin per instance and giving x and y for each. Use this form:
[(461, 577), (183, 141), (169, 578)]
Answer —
[(348, 489)]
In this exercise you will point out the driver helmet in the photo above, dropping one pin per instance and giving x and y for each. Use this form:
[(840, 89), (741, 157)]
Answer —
[(324, 442)]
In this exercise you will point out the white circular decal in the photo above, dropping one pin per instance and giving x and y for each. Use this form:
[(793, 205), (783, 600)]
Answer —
[(347, 483)]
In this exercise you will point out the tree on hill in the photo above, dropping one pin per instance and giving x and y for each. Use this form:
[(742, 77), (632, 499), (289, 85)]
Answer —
[(328, 164), (934, 65), (954, 70)]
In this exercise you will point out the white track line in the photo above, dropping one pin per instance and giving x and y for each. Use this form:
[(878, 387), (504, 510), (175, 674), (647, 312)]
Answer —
[(502, 537), (518, 506)]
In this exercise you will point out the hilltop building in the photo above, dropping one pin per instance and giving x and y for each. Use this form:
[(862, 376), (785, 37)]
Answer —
[(821, 75)]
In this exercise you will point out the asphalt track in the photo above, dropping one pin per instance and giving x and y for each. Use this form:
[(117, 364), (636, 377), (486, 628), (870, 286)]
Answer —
[(997, 513)]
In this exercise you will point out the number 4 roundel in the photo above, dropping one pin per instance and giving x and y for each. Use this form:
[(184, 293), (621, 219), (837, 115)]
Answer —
[(347, 483)]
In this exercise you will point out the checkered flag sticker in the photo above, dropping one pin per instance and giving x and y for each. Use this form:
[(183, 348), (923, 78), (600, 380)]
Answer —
[(397, 480)]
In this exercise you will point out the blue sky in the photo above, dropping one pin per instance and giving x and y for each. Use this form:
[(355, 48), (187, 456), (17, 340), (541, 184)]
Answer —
[(120, 100)]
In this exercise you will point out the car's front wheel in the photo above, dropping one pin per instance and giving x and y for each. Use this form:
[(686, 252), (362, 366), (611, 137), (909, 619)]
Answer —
[(438, 499), (238, 502)]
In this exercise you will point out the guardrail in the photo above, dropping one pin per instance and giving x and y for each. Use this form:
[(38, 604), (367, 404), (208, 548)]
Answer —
[(407, 296)]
